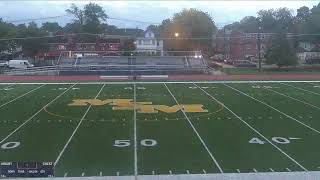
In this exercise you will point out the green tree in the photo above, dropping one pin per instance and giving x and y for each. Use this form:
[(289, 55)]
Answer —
[(7, 30), (77, 13), (281, 52), (51, 27), (190, 24), (31, 47), (88, 19)]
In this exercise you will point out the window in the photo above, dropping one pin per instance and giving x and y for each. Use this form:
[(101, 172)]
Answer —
[(153, 42)]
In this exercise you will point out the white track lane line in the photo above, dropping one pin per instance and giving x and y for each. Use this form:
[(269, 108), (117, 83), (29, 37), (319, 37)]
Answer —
[(135, 131), (288, 116), (195, 130), (76, 129), (253, 129), (300, 89), (304, 102), (22, 95), (168, 82), (25, 122)]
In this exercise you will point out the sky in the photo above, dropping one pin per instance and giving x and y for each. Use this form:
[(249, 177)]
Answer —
[(222, 12)]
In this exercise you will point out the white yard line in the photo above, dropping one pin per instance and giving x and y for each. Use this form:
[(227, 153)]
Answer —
[(8, 86), (135, 131), (22, 95), (288, 116), (253, 129), (25, 122), (304, 102), (167, 82), (301, 89), (195, 130), (76, 129)]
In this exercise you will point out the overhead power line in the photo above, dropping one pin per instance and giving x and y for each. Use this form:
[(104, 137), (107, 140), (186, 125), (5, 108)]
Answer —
[(131, 37), (36, 19)]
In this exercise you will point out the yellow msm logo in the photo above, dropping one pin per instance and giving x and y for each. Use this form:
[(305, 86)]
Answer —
[(141, 107)]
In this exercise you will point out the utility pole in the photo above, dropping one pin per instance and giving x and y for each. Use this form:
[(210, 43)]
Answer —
[(224, 42), (259, 45)]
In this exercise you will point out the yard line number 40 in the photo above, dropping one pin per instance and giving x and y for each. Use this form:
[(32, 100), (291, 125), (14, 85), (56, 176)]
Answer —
[(278, 140)]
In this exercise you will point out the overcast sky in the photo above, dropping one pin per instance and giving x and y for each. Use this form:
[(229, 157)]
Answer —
[(223, 12)]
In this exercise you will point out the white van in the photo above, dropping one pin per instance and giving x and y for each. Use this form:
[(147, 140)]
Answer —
[(19, 64)]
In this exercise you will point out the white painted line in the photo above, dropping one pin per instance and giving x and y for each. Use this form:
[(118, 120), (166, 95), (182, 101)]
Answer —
[(271, 170), (204, 171), (194, 129), (254, 170), (65, 174), (304, 102), (168, 82), (238, 170), (256, 131), (292, 118), (135, 131), (289, 170), (293, 138), (301, 89), (22, 95), (7, 87), (25, 122), (100, 174), (76, 129)]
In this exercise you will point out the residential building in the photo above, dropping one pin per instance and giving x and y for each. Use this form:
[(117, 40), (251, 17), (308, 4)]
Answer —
[(149, 43), (237, 45)]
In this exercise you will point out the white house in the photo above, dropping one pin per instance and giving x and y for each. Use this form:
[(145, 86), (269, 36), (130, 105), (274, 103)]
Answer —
[(149, 44), (307, 51)]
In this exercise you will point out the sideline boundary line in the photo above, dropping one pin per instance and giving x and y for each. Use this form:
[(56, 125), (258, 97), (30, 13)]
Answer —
[(161, 82), (253, 129), (25, 122), (12, 100), (288, 116), (300, 88), (195, 130), (75, 130)]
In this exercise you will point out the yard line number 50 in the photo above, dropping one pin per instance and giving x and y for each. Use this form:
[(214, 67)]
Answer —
[(126, 143)]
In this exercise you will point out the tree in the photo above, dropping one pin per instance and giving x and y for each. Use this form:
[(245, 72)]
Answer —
[(77, 13), (51, 27), (31, 47), (303, 15), (7, 30), (281, 52), (190, 24), (89, 18)]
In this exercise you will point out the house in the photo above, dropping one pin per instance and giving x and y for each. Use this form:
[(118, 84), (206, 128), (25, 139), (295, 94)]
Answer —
[(149, 43), (308, 52)]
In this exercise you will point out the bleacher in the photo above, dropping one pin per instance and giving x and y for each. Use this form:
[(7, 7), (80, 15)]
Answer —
[(131, 64)]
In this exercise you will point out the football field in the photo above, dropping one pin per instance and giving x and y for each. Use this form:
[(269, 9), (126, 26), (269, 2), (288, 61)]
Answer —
[(152, 128)]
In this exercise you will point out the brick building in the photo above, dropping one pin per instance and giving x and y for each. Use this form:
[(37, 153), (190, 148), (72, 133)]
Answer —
[(236, 45)]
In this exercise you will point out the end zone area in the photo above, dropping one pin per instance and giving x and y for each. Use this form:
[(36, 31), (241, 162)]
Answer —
[(162, 128)]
